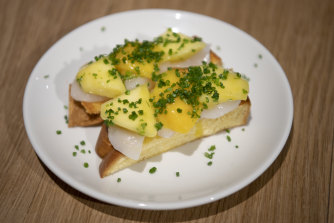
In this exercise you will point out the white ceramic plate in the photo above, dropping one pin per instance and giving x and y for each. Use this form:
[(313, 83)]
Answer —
[(259, 143)]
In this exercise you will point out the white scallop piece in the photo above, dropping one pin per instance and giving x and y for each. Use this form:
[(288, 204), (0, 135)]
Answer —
[(127, 142), (134, 82), (220, 109), (165, 133), (79, 95), (196, 60)]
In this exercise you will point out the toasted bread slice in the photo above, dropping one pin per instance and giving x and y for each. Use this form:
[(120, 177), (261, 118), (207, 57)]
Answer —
[(114, 161), (78, 116)]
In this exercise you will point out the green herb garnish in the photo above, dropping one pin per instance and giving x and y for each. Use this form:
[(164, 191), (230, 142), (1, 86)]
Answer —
[(133, 116), (212, 148), (209, 155), (152, 170)]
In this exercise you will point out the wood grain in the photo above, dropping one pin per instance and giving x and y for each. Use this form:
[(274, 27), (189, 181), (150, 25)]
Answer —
[(298, 187)]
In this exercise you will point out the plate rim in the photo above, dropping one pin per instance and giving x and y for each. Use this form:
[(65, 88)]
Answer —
[(130, 203)]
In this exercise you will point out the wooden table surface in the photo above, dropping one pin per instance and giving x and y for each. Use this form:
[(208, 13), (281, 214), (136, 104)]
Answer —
[(298, 187)]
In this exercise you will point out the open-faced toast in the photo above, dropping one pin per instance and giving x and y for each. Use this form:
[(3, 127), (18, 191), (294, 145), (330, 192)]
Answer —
[(153, 89), (113, 160)]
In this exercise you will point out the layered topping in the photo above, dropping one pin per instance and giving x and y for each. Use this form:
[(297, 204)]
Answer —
[(132, 111), (177, 100), (100, 78), (135, 62), (181, 95), (149, 98), (177, 46), (144, 58)]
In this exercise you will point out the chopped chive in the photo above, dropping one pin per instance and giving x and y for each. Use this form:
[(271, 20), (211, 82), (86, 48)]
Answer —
[(158, 125), (177, 174), (65, 106), (227, 130), (228, 138), (82, 143), (209, 155), (74, 153), (86, 165), (260, 56), (83, 151), (58, 132), (170, 51), (212, 148), (46, 76), (209, 163), (119, 180), (236, 146), (153, 170), (76, 147), (133, 116), (103, 28)]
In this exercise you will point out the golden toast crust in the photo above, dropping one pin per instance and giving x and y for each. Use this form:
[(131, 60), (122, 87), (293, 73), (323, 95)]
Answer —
[(215, 59), (77, 115)]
